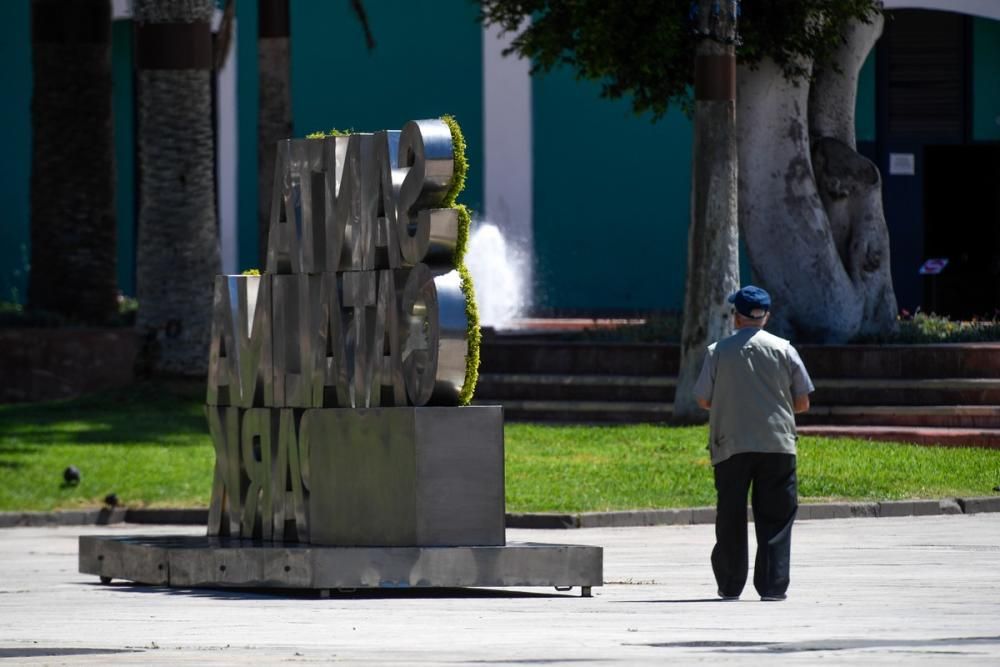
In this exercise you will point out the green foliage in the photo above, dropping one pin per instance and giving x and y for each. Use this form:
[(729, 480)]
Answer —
[(930, 328), (252, 272), (464, 226), (13, 314), (794, 34), (473, 337), (645, 48), (333, 132), (21, 270), (461, 168), (128, 307), (10, 307)]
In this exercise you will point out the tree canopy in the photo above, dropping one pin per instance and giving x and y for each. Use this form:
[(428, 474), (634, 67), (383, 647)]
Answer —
[(645, 49)]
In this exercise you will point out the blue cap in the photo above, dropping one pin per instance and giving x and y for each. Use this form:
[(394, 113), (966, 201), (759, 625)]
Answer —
[(752, 302)]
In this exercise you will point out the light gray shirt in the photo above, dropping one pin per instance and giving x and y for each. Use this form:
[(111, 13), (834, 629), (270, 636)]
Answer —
[(751, 379)]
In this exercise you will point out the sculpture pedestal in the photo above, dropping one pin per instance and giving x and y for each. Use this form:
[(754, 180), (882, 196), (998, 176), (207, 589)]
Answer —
[(218, 562), (398, 498), (399, 477)]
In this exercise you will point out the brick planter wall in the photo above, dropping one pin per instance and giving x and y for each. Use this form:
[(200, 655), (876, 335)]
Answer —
[(46, 364)]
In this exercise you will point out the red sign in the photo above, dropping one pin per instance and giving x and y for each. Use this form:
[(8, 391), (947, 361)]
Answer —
[(932, 267)]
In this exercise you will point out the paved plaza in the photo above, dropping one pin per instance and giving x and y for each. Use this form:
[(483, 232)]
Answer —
[(887, 590)]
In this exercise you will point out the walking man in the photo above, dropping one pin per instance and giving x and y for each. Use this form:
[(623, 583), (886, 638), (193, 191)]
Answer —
[(752, 383)]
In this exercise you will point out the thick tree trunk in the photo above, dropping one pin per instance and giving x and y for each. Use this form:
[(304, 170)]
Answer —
[(713, 260), (834, 94), (810, 213), (849, 184), (274, 114), (178, 248), (73, 224)]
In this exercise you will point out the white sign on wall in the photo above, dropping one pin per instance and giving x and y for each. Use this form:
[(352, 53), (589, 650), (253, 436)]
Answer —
[(902, 164)]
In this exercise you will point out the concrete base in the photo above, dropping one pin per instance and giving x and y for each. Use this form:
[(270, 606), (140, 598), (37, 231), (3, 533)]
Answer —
[(212, 562)]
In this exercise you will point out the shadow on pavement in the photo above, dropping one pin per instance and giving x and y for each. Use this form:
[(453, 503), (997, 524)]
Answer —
[(43, 652), (334, 594), (670, 601), (933, 645)]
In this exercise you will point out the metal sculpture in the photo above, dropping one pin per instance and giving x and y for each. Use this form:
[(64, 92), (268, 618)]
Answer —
[(360, 307), (334, 389), (358, 258)]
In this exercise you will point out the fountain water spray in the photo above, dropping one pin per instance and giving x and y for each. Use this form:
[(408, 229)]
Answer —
[(500, 273)]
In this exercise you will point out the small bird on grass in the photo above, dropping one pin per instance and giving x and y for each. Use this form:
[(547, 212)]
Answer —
[(71, 476)]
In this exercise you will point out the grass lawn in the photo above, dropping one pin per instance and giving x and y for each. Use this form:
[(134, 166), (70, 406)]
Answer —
[(150, 446)]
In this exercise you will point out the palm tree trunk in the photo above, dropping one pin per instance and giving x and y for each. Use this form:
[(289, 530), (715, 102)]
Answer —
[(73, 224), (274, 114), (178, 247)]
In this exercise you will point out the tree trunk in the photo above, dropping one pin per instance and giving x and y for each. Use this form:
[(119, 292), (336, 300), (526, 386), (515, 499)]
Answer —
[(816, 239), (833, 95), (274, 113), (73, 223), (849, 184), (178, 248), (712, 260)]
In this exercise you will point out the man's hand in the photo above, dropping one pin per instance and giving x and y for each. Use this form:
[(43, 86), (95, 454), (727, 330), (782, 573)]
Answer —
[(706, 405), (800, 403)]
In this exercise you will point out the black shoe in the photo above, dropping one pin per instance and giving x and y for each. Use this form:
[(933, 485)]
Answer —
[(773, 598), (728, 598)]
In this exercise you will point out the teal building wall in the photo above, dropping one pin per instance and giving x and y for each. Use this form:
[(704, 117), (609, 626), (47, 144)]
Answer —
[(246, 118), (15, 137), (612, 200), (864, 104), (427, 62), (986, 80), (123, 107)]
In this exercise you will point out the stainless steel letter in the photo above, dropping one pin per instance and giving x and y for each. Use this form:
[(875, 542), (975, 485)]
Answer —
[(331, 384), (255, 446), (225, 508), (426, 154), (223, 382), (420, 322), (360, 296), (284, 232), (288, 503)]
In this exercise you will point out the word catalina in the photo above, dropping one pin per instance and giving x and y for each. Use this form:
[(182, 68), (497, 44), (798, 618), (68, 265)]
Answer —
[(361, 304)]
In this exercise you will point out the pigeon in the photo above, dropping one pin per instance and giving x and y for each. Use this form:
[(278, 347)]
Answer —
[(71, 475)]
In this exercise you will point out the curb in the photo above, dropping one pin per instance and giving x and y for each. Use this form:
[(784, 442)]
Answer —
[(540, 520), (702, 515), (104, 517)]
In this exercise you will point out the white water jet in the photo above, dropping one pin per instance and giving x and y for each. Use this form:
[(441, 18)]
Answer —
[(499, 272)]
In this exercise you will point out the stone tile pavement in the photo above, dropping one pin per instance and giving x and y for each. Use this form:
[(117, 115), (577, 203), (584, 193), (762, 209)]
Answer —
[(864, 591)]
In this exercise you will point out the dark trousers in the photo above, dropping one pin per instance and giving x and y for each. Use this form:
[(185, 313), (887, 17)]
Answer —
[(775, 503)]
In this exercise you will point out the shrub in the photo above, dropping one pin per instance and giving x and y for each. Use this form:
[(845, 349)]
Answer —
[(931, 328)]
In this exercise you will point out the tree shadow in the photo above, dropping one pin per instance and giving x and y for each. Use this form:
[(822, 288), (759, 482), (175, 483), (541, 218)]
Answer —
[(156, 412)]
